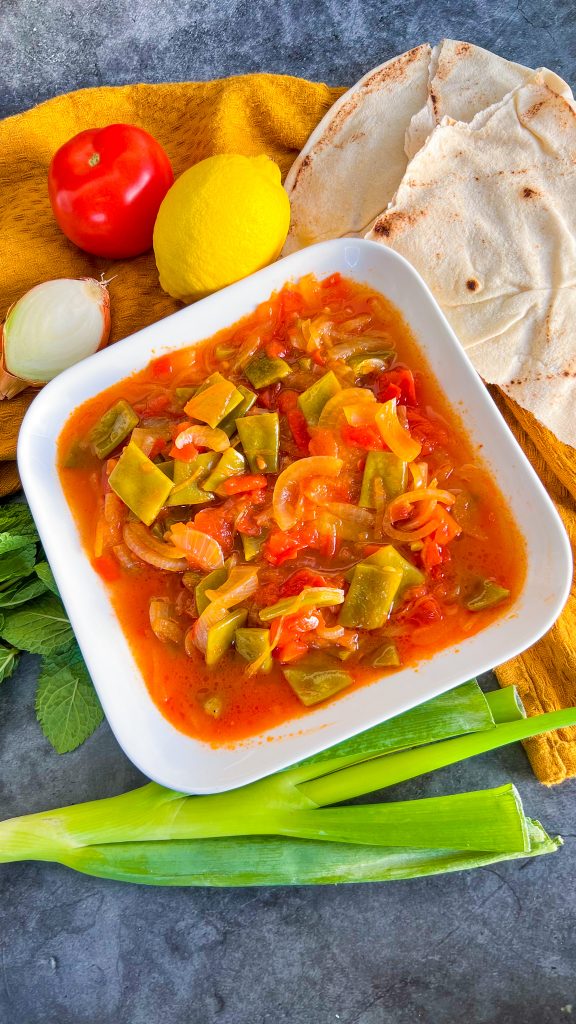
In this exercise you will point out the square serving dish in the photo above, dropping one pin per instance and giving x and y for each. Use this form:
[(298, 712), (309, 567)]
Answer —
[(148, 739)]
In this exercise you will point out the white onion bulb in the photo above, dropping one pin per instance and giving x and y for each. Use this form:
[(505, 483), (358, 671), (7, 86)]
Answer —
[(53, 326)]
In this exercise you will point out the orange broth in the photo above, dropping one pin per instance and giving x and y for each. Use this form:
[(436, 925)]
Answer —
[(490, 546)]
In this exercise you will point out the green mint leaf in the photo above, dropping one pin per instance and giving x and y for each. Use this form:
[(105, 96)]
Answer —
[(21, 592), (40, 628), (8, 660), (17, 518), (69, 656), (66, 703), (16, 564), (12, 541), (44, 573)]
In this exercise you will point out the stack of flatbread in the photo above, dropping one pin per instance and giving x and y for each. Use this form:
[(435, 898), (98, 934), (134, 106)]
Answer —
[(464, 163)]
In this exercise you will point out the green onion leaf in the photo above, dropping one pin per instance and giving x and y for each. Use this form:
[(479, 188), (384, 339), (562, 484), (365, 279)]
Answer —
[(269, 861)]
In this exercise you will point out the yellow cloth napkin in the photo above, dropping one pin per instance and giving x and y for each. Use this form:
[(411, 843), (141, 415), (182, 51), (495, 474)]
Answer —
[(249, 114)]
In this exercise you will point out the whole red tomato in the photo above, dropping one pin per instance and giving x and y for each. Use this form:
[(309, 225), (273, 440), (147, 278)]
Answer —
[(106, 186)]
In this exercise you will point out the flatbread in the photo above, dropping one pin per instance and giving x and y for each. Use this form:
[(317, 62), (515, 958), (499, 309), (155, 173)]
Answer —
[(486, 212), (354, 161), (465, 79)]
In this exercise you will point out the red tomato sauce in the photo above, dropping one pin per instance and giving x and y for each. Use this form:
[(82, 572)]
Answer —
[(311, 326)]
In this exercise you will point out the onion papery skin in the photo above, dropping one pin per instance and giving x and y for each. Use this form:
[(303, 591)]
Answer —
[(53, 326)]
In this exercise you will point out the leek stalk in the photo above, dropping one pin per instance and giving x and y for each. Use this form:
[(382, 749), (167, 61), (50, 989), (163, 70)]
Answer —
[(391, 769), (160, 836), (463, 710), (267, 861), (489, 820)]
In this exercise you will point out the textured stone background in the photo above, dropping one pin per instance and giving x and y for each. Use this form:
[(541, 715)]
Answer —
[(491, 947), (51, 46)]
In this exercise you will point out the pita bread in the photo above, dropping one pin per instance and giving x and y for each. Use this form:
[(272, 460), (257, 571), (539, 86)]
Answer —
[(465, 79), (487, 214), (354, 161)]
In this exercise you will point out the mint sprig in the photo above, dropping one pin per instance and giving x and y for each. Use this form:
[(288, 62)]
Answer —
[(33, 619), (9, 658), (42, 627), (66, 703)]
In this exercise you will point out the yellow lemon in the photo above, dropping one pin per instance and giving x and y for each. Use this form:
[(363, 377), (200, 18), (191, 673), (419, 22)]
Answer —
[(224, 218)]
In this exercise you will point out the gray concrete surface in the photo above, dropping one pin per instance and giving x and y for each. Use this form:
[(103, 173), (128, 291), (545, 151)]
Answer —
[(494, 946)]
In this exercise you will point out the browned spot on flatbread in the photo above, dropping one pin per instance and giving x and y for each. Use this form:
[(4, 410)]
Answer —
[(396, 222), (527, 115), (563, 110), (472, 284), (301, 171), (357, 136), (394, 71), (435, 104), (380, 228), (446, 64), (530, 193)]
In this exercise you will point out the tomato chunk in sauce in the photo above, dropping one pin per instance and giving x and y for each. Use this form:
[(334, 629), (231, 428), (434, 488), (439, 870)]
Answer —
[(287, 511)]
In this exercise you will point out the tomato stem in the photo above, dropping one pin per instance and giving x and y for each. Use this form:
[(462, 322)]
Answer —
[(94, 160)]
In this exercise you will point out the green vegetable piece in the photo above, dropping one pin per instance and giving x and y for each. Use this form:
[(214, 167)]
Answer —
[(252, 644), (388, 557), (228, 424), (253, 545), (260, 438), (312, 401), (264, 370), (313, 683), (212, 581), (196, 470), (188, 476), (231, 463), (341, 653), (368, 362), (214, 378), (369, 599), (212, 404), (113, 428), (225, 351), (386, 656), (309, 597), (167, 467), (145, 437), (183, 395), (221, 635), (490, 594), (388, 468), (140, 484), (77, 456)]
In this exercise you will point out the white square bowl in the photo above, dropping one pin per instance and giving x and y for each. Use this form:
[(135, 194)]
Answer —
[(150, 741)]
